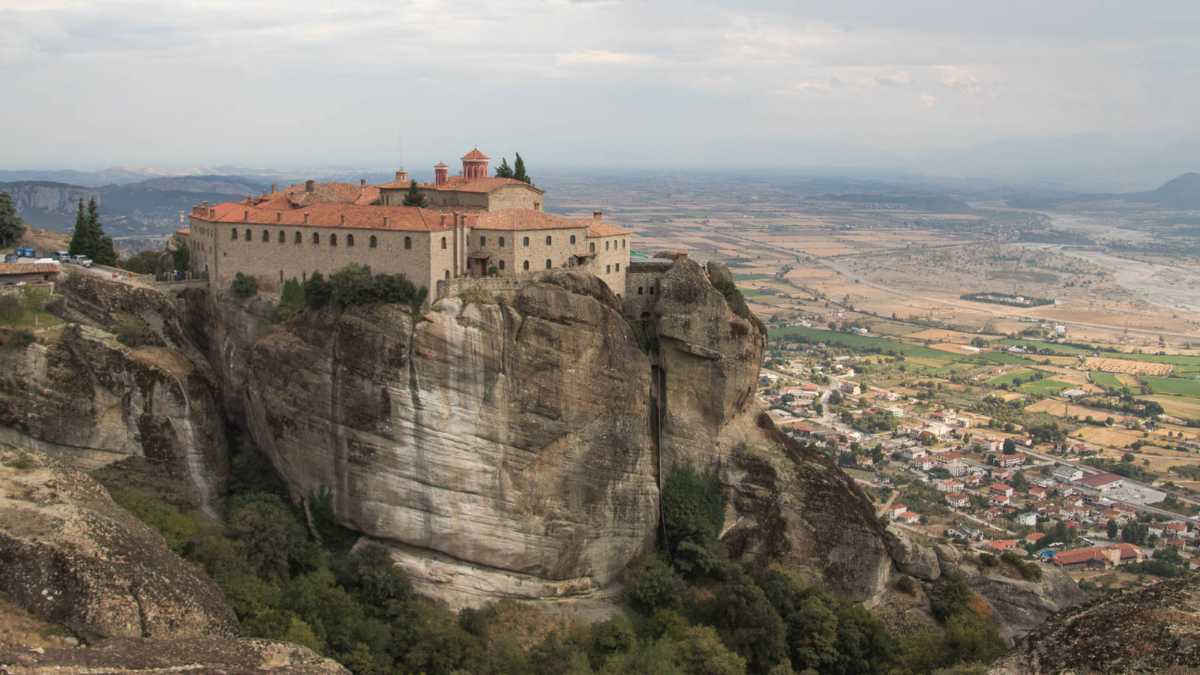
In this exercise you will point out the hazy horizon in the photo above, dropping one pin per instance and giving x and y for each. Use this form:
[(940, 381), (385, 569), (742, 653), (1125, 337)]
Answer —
[(1092, 95)]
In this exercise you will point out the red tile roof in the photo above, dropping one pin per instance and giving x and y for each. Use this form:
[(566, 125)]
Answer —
[(525, 219), (475, 154), (1083, 555), (1098, 479), (603, 229), (340, 193), (463, 184), (350, 216)]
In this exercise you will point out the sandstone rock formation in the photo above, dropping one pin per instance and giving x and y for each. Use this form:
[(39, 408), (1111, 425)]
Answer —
[(212, 656), (1021, 605), (1155, 629), (72, 557), (121, 380)]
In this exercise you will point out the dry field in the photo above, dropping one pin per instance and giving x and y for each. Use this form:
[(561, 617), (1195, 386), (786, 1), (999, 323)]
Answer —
[(1127, 367), (939, 335), (1059, 409), (1112, 437), (1160, 459), (1178, 406)]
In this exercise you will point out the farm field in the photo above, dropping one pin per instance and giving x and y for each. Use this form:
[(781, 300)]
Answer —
[(1187, 408), (1174, 386), (1127, 366), (1061, 409), (1046, 387), (1111, 436), (1106, 380)]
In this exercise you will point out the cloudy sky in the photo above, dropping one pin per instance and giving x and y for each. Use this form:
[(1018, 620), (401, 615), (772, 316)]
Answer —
[(838, 83)]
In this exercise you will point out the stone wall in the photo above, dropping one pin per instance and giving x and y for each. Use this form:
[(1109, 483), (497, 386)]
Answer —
[(612, 261)]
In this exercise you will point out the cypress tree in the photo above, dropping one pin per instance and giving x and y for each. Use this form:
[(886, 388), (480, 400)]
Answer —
[(414, 196), (11, 225), (519, 170), (79, 234), (504, 170)]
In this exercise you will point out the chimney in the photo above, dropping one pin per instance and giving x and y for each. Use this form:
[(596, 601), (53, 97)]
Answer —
[(309, 185), (273, 188), (362, 182), (385, 221), (342, 220), (597, 215), (442, 221), (278, 216), (440, 173), (246, 215)]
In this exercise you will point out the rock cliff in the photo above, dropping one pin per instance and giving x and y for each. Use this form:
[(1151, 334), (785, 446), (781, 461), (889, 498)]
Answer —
[(72, 557), (1138, 630), (121, 379), (162, 657), (512, 445)]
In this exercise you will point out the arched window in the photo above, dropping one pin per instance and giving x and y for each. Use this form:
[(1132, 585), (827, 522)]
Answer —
[(447, 271), (248, 237), (592, 247), (547, 263), (549, 240), (618, 267), (606, 245), (444, 248), (408, 243), (639, 290), (501, 242), (316, 238), (297, 239), (526, 266), (501, 264), (623, 243), (607, 269), (572, 239), (349, 240), (525, 242), (266, 236), (282, 237), (333, 240), (372, 242), (233, 234)]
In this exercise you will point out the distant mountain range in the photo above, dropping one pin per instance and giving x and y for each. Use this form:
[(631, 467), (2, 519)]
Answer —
[(1179, 193)]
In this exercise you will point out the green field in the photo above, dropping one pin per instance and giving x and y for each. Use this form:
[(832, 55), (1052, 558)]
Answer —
[(753, 277), (1044, 387), (1106, 380), (917, 354), (1009, 378), (1175, 386)]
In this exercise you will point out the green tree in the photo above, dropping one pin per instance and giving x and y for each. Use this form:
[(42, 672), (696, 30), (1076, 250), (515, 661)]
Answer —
[(1112, 529), (317, 291), (614, 636), (658, 587), (11, 225), (244, 285), (82, 240), (948, 596), (182, 256), (693, 511), (88, 237), (701, 652), (275, 541), (519, 170), (145, 262), (414, 197), (1010, 447), (748, 624), (504, 170)]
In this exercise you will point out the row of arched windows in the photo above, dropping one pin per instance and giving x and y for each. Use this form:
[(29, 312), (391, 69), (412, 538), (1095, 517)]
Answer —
[(281, 237)]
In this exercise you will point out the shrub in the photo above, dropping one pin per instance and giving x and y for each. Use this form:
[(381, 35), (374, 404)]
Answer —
[(614, 636), (693, 511), (11, 309), (949, 596), (22, 462), (477, 295), (291, 300), (317, 291), (176, 527), (658, 587), (748, 623), (145, 262), (244, 286), (987, 560), (905, 584)]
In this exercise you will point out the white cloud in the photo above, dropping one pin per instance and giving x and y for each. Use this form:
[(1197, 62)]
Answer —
[(960, 78), (603, 57)]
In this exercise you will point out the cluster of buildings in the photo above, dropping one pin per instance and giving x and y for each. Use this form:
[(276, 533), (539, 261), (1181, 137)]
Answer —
[(473, 225)]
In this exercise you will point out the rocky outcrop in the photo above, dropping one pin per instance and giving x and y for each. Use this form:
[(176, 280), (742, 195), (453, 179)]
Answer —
[(1137, 630), (1020, 606), (72, 557), (128, 380), (154, 657)]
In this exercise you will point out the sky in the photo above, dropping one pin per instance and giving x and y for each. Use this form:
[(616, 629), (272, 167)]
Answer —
[(929, 86)]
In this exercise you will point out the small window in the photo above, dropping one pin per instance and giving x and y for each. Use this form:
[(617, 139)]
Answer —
[(592, 247), (266, 236), (501, 264), (316, 238), (333, 240), (623, 243), (526, 265), (547, 263), (549, 240), (298, 238), (372, 242), (447, 271), (618, 267), (652, 290), (572, 239), (407, 243), (606, 245), (282, 238), (501, 242), (233, 234), (349, 240), (525, 242), (444, 248), (607, 269), (639, 290), (248, 237), (483, 241)]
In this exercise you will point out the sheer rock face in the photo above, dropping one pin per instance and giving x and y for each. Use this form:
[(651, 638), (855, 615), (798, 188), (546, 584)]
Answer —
[(71, 556), (1021, 606), (150, 657), (1155, 629), (503, 448), (90, 399)]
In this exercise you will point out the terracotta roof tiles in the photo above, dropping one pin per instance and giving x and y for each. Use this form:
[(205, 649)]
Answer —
[(350, 216)]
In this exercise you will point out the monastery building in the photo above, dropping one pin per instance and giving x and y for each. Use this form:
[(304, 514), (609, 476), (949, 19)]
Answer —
[(473, 225)]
